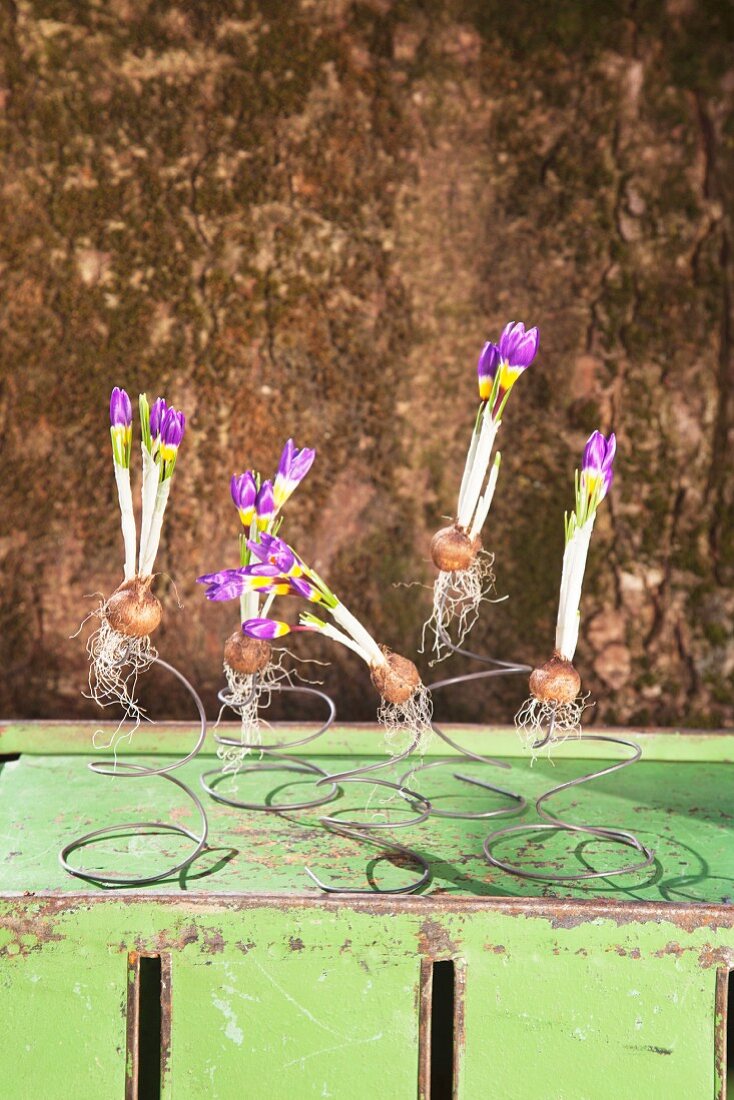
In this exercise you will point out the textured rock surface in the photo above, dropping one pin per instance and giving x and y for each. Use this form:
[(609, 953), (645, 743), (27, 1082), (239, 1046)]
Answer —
[(305, 218)]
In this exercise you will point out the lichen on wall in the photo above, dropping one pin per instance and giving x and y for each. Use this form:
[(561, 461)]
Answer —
[(303, 218)]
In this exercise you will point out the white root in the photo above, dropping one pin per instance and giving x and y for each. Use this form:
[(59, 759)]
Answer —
[(534, 718), (115, 663), (457, 597), (248, 696), (407, 723)]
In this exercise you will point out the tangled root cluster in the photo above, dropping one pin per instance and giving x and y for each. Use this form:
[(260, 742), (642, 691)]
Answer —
[(248, 694), (534, 718), (457, 597), (409, 723), (115, 663)]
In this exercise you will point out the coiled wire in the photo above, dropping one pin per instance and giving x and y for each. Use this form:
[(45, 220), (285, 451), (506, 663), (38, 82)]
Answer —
[(130, 770)]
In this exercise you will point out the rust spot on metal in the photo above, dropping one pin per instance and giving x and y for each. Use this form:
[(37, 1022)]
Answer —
[(296, 943), (559, 912), (434, 940), (188, 935), (496, 948), (670, 948), (623, 952), (212, 943), (715, 956), (721, 1006), (31, 927)]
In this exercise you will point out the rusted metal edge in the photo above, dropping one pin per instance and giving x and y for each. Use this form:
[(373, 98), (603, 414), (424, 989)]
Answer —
[(721, 1011), (425, 1007), (562, 912), (132, 1058), (459, 1023), (425, 1020), (72, 738), (166, 1019), (132, 1028)]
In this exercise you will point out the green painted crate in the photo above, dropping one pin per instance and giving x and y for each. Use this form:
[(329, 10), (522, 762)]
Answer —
[(268, 989)]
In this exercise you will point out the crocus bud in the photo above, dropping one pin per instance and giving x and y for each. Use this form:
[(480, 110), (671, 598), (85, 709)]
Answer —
[(266, 630), (121, 410), (157, 416), (121, 427), (293, 467), (517, 349), (597, 473), (486, 369), (244, 495), (265, 505), (172, 432)]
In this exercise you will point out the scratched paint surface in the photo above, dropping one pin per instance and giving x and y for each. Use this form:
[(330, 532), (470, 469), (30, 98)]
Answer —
[(276, 1000), (339, 1000), (279, 992), (684, 810)]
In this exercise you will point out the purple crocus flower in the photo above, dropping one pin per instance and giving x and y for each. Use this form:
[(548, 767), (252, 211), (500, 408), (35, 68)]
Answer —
[(265, 505), (230, 584), (157, 416), (597, 471), (218, 578), (244, 495), (276, 551), (517, 347), (487, 368), (172, 432), (121, 428), (121, 410), (293, 467)]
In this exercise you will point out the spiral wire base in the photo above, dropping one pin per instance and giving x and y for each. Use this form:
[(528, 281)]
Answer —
[(499, 668), (129, 770), (364, 830), (551, 822), (280, 760)]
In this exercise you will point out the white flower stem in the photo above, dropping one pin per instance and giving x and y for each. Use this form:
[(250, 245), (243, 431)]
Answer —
[(572, 579), (344, 639), (147, 494), (372, 653), (480, 464), (468, 465), (127, 518), (148, 553), (486, 502)]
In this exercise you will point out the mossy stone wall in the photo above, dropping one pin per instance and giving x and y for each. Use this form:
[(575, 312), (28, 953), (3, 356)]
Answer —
[(303, 217)]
